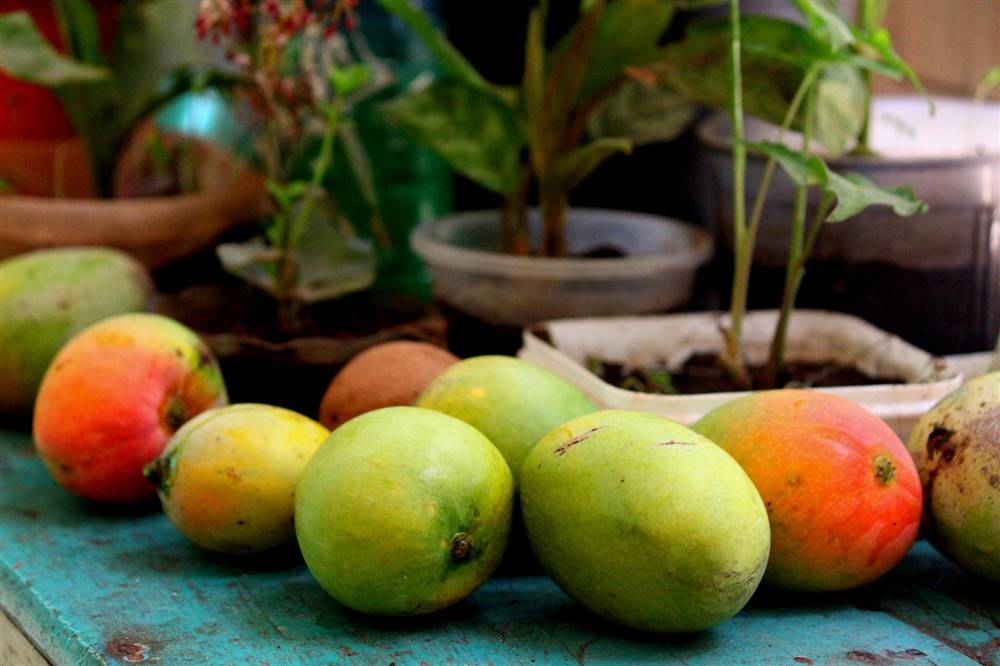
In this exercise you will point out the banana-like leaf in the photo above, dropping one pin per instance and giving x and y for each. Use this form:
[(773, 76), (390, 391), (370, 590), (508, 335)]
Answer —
[(853, 192), (643, 113), (572, 167), (25, 54), (478, 135), (78, 23), (533, 87), (627, 32)]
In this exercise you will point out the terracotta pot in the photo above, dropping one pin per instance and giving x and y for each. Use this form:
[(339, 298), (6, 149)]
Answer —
[(155, 229), (46, 167)]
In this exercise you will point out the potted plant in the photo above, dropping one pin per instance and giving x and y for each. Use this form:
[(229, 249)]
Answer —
[(535, 143), (931, 279), (294, 307), (686, 353), (106, 96)]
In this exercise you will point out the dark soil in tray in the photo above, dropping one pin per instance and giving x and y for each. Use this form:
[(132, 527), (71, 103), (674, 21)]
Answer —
[(261, 361), (702, 374)]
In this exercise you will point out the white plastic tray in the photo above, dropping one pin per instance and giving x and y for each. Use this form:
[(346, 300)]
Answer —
[(814, 335)]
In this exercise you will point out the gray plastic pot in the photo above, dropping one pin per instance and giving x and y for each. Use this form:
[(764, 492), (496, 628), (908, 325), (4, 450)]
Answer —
[(471, 274), (933, 278)]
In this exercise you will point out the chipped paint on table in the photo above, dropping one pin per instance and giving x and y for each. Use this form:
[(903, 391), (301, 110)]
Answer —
[(91, 584)]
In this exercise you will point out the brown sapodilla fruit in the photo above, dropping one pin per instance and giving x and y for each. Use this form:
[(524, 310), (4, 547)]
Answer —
[(386, 375)]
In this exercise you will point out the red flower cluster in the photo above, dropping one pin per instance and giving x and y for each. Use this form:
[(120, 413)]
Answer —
[(262, 38), (281, 19)]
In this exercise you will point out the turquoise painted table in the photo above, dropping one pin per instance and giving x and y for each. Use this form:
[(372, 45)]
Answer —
[(92, 585)]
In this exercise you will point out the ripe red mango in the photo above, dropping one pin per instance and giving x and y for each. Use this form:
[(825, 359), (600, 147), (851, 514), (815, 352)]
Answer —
[(112, 398), (842, 493)]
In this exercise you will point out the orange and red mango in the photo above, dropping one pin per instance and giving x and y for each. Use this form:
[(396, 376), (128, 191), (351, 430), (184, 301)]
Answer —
[(841, 491), (112, 398), (227, 477)]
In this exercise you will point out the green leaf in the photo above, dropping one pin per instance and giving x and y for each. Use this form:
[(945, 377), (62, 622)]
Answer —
[(840, 108), (871, 13), (871, 65), (881, 43), (568, 69), (777, 55), (479, 136), (809, 172), (78, 25), (990, 82), (853, 191), (26, 55), (643, 113), (450, 60), (627, 32), (345, 80), (329, 261), (287, 194), (827, 23), (572, 167)]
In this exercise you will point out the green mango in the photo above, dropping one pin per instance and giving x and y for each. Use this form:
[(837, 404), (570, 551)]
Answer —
[(956, 447), (644, 521), (403, 511), (513, 402), (46, 297)]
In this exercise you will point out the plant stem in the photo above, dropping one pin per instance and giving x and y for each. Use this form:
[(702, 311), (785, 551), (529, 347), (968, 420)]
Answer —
[(288, 306), (732, 357), (514, 217), (579, 118), (863, 148), (553, 211), (522, 245), (507, 212), (819, 219), (793, 270), (765, 179), (286, 276), (792, 284), (745, 237), (870, 14)]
